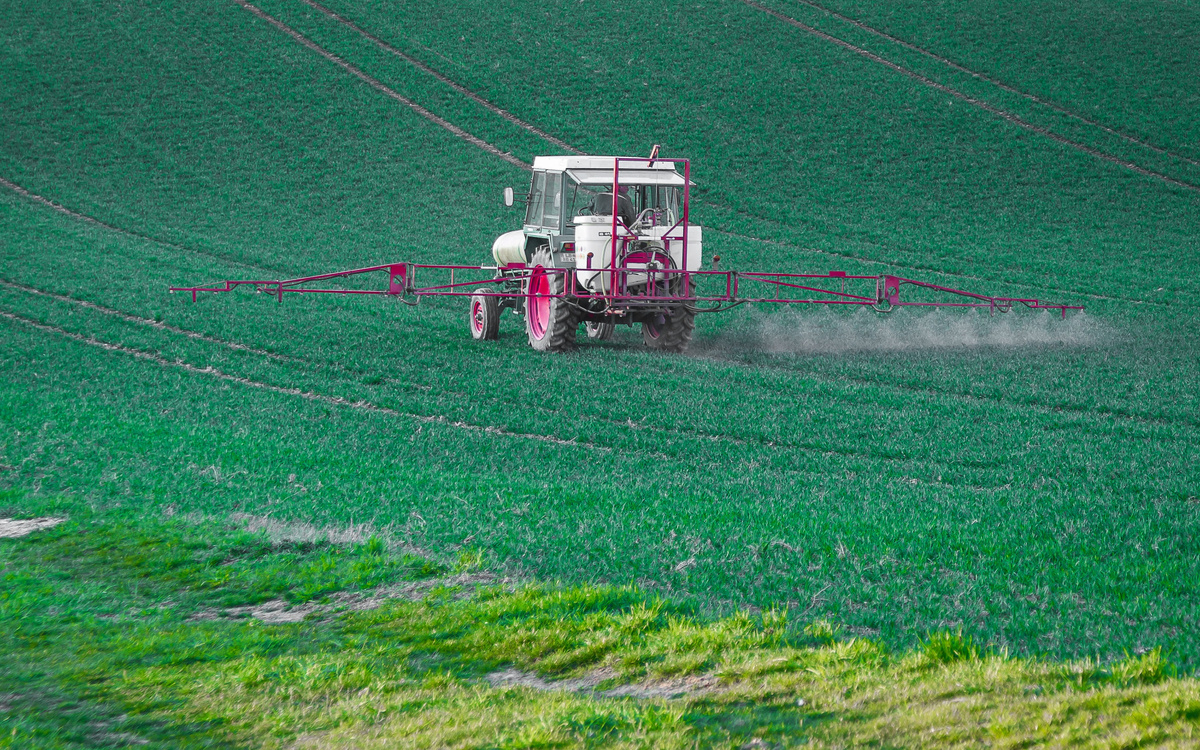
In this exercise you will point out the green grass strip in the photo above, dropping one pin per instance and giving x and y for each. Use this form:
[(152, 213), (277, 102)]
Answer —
[(118, 629)]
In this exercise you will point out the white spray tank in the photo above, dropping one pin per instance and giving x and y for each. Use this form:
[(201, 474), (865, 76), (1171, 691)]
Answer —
[(593, 251)]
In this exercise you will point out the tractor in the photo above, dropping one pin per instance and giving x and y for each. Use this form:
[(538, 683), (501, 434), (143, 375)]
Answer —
[(607, 241), (560, 269)]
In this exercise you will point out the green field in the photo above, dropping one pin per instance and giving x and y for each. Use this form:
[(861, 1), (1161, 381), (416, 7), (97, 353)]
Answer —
[(1030, 481)]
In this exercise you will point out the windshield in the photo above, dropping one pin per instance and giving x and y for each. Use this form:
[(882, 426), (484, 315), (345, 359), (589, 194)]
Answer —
[(596, 200)]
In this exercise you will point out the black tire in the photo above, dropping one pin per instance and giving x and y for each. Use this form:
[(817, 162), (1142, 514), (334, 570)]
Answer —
[(483, 315), (550, 322), (673, 334), (600, 330)]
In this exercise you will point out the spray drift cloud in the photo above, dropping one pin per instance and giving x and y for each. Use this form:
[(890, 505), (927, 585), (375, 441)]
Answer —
[(824, 331)]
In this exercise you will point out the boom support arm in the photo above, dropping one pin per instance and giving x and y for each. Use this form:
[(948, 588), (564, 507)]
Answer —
[(721, 288)]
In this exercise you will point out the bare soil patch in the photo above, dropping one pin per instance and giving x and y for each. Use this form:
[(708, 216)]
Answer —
[(11, 528), (589, 683)]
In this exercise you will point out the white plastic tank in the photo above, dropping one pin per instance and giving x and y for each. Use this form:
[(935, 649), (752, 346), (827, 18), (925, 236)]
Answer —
[(593, 234), (509, 248)]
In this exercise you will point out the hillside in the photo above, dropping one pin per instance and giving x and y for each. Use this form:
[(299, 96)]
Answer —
[(1030, 481)]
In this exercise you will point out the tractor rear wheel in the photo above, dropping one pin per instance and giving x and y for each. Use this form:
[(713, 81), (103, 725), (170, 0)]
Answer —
[(673, 333), (550, 319), (484, 315), (601, 330)]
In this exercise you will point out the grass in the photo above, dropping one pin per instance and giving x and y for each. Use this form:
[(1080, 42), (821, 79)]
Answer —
[(1087, 58), (973, 487), (116, 632), (804, 532), (867, 162)]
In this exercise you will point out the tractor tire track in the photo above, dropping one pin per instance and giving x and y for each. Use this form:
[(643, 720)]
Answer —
[(380, 87), (131, 318), (494, 108), (360, 405), (84, 217), (678, 433), (998, 83), (978, 103), (128, 232), (1102, 414), (563, 144), (687, 434), (930, 269)]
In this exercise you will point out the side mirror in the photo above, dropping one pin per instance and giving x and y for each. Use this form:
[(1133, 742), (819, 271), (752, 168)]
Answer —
[(508, 196)]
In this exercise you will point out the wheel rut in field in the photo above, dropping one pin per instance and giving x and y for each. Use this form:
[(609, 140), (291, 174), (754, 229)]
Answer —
[(978, 103), (930, 269), (1000, 84), (380, 86), (491, 106), (360, 405), (82, 217), (686, 434), (1039, 406), (131, 318), (42, 200)]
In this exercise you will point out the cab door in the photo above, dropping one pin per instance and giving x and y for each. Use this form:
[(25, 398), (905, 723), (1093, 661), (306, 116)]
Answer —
[(544, 215)]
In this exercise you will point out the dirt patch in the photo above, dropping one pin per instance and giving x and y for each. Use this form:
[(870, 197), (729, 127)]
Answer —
[(12, 528), (681, 687), (517, 678), (278, 611), (673, 688), (298, 531)]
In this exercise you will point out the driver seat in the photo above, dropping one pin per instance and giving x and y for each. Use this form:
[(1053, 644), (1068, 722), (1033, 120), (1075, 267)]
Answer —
[(602, 206)]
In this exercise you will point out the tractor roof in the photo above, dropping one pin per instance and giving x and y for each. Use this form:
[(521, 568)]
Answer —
[(593, 170)]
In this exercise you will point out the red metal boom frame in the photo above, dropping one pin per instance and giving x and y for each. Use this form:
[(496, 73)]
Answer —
[(788, 288), (784, 288)]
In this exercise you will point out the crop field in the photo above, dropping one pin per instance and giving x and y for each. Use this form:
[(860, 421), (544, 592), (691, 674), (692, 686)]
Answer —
[(1030, 481)]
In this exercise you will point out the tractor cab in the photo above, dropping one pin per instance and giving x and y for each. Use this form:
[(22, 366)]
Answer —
[(569, 212)]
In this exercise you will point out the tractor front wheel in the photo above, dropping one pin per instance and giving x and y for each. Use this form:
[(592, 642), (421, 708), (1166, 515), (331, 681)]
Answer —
[(484, 317), (671, 332), (550, 319)]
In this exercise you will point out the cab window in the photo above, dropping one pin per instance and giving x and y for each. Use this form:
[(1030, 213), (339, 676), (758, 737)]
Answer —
[(537, 192), (552, 211)]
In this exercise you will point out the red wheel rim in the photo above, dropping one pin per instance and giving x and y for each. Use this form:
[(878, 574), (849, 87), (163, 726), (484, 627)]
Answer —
[(651, 329), (477, 316), (538, 304)]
